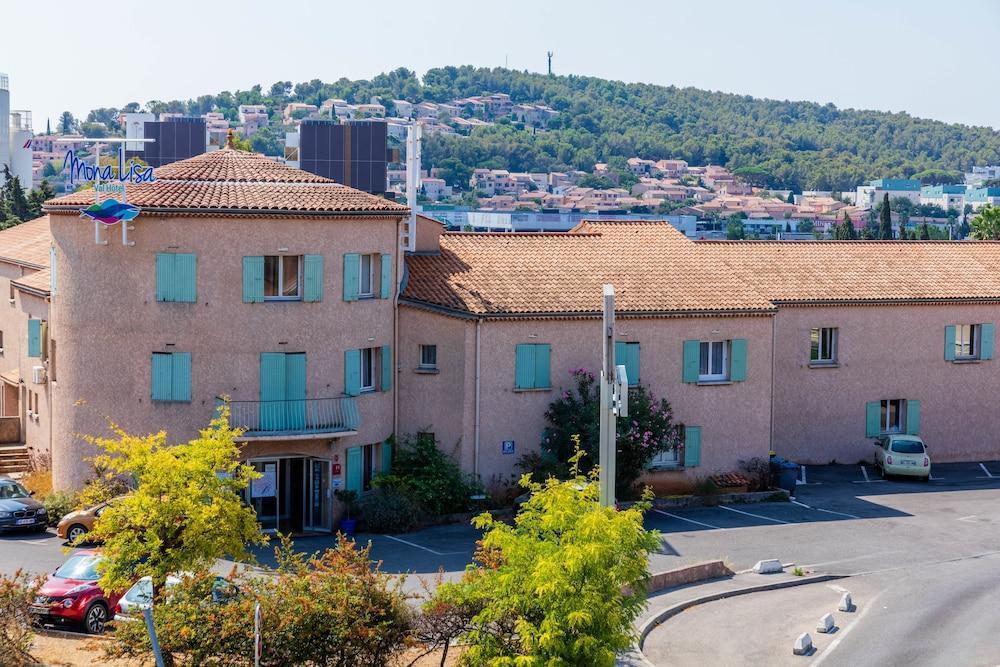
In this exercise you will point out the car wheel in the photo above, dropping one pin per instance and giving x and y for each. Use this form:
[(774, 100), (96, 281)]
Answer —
[(75, 532), (96, 618)]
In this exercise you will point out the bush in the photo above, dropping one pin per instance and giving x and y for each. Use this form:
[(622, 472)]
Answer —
[(425, 473), (16, 594), (101, 489), (335, 608), (562, 586), (647, 431), (390, 510), (58, 504), (759, 471)]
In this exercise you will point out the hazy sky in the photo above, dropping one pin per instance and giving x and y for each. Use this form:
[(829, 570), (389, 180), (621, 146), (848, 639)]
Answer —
[(931, 59)]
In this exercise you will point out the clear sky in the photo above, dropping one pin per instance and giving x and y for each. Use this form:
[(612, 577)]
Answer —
[(929, 58)]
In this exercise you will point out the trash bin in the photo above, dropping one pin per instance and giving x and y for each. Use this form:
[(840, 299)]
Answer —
[(789, 473)]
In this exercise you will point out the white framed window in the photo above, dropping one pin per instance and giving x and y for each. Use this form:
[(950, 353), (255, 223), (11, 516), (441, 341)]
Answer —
[(428, 356), (666, 459), (823, 345), (282, 278), (714, 361), (893, 418), (366, 276), (369, 368), (967, 341)]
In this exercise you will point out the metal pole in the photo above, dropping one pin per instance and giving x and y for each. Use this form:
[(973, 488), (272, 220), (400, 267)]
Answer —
[(258, 645), (608, 444), (147, 613)]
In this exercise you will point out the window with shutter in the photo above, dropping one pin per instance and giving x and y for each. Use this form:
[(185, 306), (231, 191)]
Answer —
[(176, 277), (171, 376), (532, 366), (312, 278)]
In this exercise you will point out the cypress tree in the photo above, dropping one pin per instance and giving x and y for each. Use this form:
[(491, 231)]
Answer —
[(885, 221), (849, 233)]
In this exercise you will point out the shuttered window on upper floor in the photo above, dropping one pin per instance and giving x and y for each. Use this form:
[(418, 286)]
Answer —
[(176, 277)]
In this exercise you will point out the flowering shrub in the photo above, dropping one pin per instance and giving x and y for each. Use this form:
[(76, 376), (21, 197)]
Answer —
[(647, 431), (16, 593)]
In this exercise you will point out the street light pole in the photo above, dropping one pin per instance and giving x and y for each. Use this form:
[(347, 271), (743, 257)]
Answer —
[(608, 445)]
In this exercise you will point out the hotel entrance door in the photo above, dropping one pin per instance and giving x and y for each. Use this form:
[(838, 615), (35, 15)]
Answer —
[(292, 494)]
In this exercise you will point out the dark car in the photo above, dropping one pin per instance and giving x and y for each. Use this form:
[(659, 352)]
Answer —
[(18, 510), (72, 595)]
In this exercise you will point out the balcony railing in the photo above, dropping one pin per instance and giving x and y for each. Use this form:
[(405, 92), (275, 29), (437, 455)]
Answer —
[(296, 417)]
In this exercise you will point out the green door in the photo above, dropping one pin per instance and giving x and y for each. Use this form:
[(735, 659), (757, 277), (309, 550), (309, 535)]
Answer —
[(355, 478), (295, 391), (272, 391)]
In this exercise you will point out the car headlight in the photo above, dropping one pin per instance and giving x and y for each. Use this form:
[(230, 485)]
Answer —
[(68, 602), (41, 510), (77, 589), (6, 515)]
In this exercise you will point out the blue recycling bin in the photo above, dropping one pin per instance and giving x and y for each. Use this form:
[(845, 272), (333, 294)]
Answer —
[(787, 475)]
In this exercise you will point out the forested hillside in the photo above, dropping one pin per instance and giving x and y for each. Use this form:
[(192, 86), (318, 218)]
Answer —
[(798, 145)]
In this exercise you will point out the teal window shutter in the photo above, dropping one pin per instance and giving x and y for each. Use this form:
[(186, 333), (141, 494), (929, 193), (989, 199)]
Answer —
[(352, 372), (273, 383), (180, 376), (738, 360), (295, 390), (627, 355), (913, 417), (185, 278), (354, 472), (949, 343), (352, 273), (986, 341), (313, 278), (524, 366), (34, 338), (692, 350), (692, 446), (164, 276), (162, 374), (385, 277), (253, 279), (387, 367), (873, 419), (543, 353), (386, 457)]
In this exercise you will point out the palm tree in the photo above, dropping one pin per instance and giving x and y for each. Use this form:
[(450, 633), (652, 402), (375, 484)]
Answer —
[(986, 225)]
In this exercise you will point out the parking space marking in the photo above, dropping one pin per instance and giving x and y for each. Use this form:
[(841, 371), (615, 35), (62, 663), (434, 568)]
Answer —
[(989, 475), (418, 546), (820, 509), (697, 523), (758, 516), (866, 480), (967, 518)]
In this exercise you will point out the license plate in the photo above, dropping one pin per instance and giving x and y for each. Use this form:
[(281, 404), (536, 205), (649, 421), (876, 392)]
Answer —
[(25, 522), (908, 463), (38, 609)]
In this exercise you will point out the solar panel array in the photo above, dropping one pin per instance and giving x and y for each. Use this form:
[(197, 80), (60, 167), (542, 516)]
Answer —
[(175, 139), (352, 153)]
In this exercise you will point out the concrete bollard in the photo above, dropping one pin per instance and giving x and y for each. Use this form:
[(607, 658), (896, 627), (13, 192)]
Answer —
[(825, 624), (803, 644), (769, 566), (846, 604)]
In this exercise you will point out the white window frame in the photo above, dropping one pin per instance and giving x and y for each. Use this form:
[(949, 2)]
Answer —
[(370, 293), (281, 278), (369, 359), (967, 338), (714, 377), (423, 363), (885, 424), (827, 336)]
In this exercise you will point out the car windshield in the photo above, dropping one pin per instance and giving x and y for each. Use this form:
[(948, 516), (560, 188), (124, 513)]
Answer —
[(908, 447), (10, 490), (142, 592), (80, 567)]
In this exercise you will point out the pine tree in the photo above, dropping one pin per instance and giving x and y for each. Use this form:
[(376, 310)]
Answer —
[(12, 198), (849, 234), (885, 221)]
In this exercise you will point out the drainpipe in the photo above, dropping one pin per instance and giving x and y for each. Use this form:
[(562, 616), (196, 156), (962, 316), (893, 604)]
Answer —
[(475, 455), (395, 331), (774, 323)]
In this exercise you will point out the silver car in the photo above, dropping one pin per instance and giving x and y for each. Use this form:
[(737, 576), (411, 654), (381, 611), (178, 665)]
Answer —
[(140, 596)]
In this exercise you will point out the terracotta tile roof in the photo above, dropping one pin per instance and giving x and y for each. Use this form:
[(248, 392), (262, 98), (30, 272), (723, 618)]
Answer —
[(27, 243), (239, 182), (654, 268), (838, 271), (39, 281)]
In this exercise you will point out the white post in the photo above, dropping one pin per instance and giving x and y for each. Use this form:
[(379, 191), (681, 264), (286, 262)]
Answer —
[(608, 443), (412, 182)]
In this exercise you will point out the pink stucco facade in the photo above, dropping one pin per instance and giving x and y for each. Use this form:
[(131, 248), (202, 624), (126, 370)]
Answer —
[(884, 352), (735, 417), (107, 323)]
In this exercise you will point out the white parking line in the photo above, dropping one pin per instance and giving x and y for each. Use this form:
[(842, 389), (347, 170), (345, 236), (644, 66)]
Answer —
[(697, 523), (866, 480), (820, 509), (989, 475), (418, 546), (758, 516)]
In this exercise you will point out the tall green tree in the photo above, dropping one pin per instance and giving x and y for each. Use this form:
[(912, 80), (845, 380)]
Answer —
[(885, 221), (39, 196), (986, 224), (67, 124), (924, 232), (185, 511), (14, 206)]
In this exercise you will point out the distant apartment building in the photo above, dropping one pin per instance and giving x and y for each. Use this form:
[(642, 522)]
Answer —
[(980, 175), (435, 189), (533, 115), (945, 196), (671, 168), (217, 128), (402, 108), (252, 118), (295, 111), (980, 197), (873, 193)]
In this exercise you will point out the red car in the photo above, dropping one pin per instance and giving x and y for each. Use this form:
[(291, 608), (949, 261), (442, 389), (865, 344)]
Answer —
[(71, 595)]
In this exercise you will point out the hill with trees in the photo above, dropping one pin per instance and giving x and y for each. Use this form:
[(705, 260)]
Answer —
[(782, 144)]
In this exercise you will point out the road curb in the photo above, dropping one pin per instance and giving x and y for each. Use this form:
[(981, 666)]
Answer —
[(673, 610)]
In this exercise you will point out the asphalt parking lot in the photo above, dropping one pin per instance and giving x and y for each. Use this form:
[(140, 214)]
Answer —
[(843, 519)]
